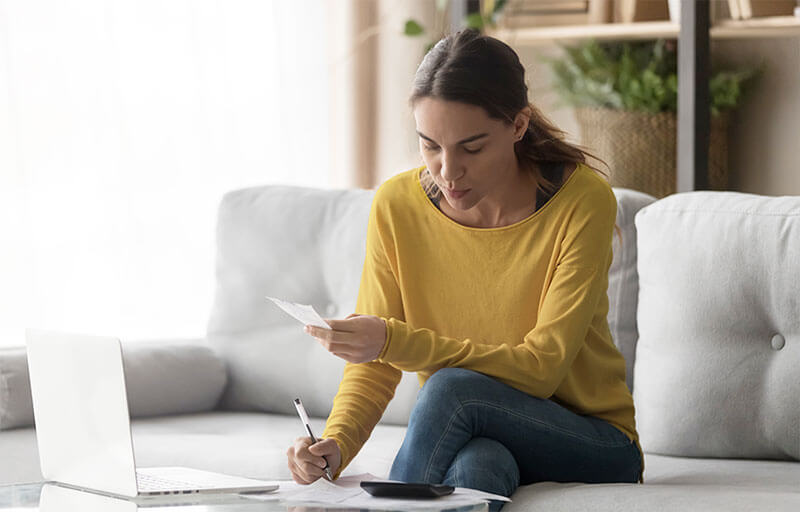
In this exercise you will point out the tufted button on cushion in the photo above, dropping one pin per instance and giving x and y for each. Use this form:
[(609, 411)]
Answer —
[(778, 342)]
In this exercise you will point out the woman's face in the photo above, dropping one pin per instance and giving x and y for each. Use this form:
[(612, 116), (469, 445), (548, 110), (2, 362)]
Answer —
[(469, 155)]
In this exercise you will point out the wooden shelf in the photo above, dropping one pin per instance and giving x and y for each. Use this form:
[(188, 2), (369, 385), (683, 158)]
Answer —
[(775, 26)]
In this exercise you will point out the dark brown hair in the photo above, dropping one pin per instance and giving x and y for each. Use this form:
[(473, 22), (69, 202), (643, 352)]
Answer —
[(469, 67)]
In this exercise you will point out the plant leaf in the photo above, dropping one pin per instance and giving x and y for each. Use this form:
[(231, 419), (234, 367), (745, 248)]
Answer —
[(412, 28), (475, 20), (640, 75)]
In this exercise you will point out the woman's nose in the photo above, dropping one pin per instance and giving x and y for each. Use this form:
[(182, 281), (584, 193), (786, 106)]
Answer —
[(450, 170)]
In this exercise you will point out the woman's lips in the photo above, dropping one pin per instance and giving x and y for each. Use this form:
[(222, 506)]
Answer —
[(456, 194)]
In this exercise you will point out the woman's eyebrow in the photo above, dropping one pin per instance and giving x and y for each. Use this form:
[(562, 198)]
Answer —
[(464, 141)]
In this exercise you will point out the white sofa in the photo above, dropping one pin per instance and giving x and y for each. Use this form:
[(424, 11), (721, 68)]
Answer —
[(715, 292)]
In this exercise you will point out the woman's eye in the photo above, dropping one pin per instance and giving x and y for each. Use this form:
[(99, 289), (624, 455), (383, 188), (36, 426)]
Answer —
[(468, 150)]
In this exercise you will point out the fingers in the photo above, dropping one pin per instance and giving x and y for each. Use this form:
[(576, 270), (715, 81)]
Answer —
[(337, 346), (296, 476), (344, 340), (323, 448), (300, 476), (341, 325), (305, 466), (304, 457), (332, 335), (342, 344)]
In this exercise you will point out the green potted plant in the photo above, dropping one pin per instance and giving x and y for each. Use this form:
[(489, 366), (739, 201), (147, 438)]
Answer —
[(625, 97), (486, 16)]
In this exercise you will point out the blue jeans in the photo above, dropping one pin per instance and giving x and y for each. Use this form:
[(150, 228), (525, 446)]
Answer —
[(470, 430)]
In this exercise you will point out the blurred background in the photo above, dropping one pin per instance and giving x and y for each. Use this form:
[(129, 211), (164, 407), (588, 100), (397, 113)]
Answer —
[(122, 124)]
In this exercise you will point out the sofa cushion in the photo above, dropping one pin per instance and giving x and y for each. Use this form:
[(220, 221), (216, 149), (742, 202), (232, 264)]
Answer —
[(172, 377), (16, 406), (719, 330), (161, 377), (675, 484), (623, 280)]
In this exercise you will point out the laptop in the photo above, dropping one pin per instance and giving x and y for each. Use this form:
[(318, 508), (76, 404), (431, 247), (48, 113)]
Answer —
[(83, 429)]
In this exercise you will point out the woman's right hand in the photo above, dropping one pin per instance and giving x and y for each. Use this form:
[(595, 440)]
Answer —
[(306, 461)]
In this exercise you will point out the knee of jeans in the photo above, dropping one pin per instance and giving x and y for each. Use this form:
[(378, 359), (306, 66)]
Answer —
[(445, 386), (483, 452)]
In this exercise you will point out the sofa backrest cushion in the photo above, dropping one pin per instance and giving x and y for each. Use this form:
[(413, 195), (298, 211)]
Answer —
[(719, 326), (304, 245), (307, 245), (16, 406), (623, 281), (174, 377), (164, 377)]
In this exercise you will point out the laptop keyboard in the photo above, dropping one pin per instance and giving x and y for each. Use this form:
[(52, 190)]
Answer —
[(155, 483)]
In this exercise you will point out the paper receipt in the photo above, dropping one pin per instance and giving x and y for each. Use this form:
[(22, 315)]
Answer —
[(302, 312)]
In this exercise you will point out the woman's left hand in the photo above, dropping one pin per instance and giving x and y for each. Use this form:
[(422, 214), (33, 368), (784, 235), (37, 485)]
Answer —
[(356, 339)]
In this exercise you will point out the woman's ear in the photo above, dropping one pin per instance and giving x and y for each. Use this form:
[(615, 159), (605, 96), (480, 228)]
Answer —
[(521, 122)]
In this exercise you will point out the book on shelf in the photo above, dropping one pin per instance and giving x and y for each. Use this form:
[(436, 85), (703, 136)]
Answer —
[(759, 8), (537, 13), (629, 11), (733, 7)]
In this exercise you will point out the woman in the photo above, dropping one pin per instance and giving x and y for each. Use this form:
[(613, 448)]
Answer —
[(486, 273)]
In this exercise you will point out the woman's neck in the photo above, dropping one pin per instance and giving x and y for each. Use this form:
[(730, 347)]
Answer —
[(519, 202), (513, 202)]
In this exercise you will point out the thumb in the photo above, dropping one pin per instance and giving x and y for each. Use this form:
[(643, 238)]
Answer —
[(323, 447), (339, 325)]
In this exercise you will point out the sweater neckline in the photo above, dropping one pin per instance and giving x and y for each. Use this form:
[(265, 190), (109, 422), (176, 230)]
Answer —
[(437, 212)]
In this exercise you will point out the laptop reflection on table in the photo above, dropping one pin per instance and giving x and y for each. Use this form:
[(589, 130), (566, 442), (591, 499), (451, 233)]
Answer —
[(61, 499)]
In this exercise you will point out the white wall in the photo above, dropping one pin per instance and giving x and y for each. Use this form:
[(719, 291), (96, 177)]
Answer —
[(122, 123), (765, 136)]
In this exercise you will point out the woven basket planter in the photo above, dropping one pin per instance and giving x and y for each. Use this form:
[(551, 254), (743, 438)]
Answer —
[(640, 148)]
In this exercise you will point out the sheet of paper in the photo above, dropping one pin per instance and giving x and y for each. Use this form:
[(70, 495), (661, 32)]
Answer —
[(347, 492), (475, 493), (319, 491), (355, 480), (365, 501), (323, 491), (302, 312)]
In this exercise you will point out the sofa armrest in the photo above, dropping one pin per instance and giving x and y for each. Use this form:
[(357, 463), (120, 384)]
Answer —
[(162, 377)]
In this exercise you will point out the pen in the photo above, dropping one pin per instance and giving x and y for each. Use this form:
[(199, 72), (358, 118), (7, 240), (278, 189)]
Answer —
[(304, 418)]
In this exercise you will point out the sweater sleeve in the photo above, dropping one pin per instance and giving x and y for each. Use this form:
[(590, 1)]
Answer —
[(540, 362), (367, 388)]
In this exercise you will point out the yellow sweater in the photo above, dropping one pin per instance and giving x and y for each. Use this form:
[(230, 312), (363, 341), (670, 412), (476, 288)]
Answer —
[(524, 303)]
